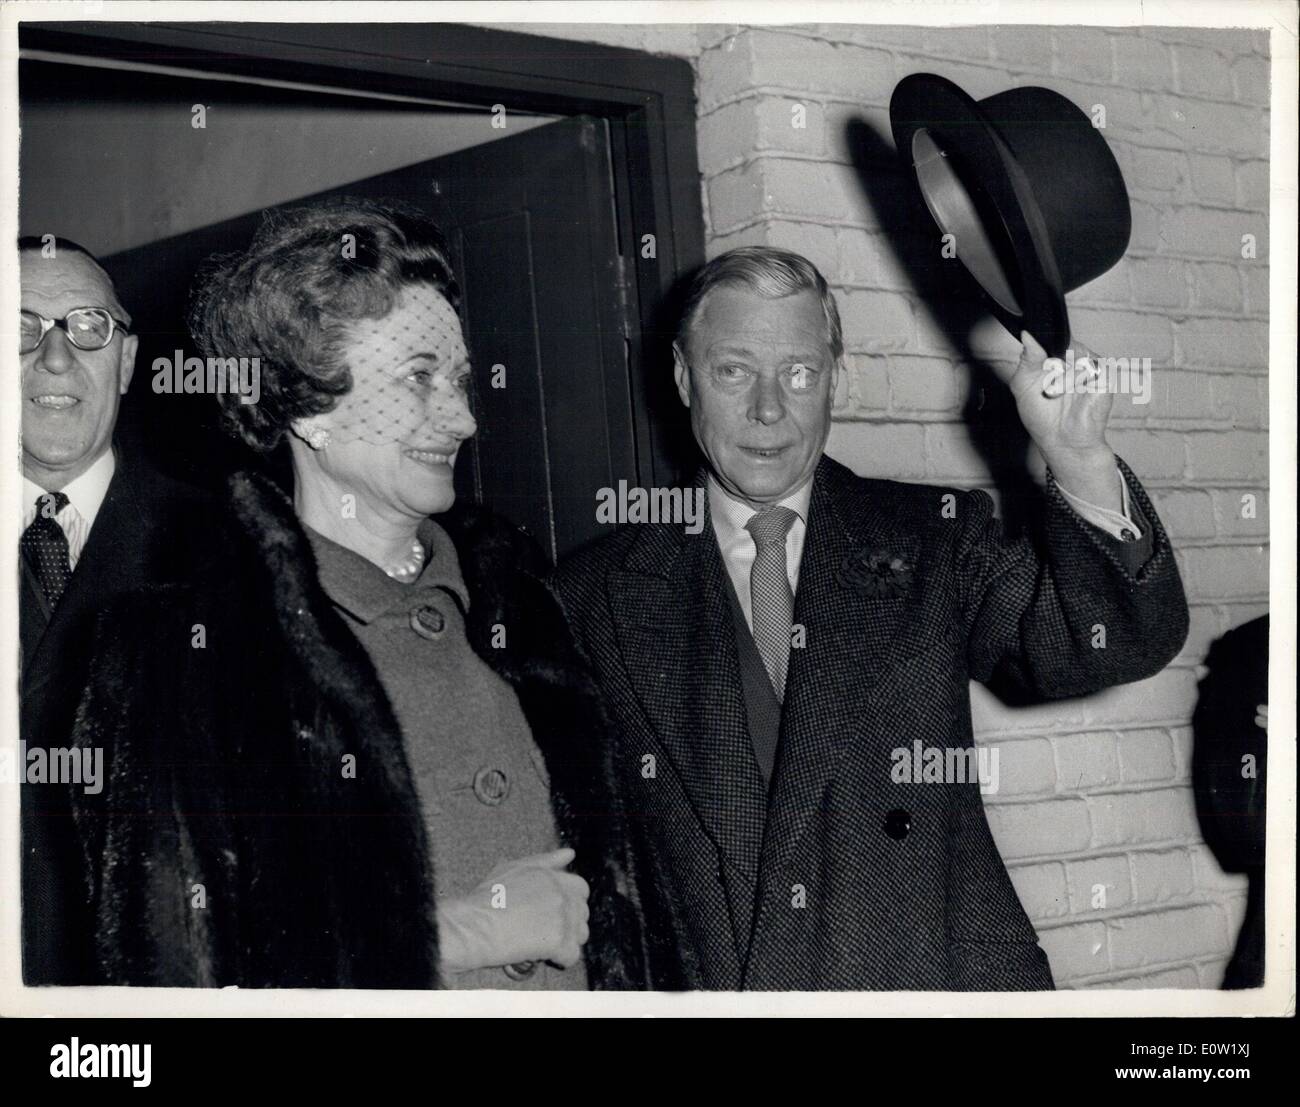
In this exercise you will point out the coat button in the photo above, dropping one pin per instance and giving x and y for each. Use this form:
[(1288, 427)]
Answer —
[(520, 971), (427, 621), (491, 786), (898, 823), (1127, 535)]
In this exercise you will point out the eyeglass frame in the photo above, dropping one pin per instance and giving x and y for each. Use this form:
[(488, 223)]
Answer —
[(47, 325)]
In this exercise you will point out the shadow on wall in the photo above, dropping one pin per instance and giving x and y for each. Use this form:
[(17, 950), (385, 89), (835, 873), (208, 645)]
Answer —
[(955, 305)]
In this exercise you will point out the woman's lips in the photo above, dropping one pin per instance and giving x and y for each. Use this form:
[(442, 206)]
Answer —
[(431, 458)]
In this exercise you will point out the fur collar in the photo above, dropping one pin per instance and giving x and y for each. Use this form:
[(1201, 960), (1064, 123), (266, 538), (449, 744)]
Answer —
[(505, 575)]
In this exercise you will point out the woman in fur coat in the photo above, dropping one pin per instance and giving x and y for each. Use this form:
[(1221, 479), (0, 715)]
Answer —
[(359, 748)]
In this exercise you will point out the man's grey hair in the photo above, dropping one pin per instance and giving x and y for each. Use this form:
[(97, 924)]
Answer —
[(768, 271), (36, 244)]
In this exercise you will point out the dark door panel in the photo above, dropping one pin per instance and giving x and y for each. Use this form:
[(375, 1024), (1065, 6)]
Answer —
[(536, 220)]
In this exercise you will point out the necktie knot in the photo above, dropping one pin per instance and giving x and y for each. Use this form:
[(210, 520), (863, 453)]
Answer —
[(49, 504), (770, 526)]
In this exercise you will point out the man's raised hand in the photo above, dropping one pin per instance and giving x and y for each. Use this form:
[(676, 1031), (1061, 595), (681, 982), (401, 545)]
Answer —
[(1065, 408)]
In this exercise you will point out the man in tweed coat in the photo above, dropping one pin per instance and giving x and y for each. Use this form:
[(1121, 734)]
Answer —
[(763, 673)]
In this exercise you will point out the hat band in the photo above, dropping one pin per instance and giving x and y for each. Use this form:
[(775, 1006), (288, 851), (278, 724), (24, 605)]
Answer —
[(956, 213)]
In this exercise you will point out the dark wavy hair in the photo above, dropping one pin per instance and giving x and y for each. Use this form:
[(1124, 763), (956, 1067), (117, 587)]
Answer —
[(289, 298)]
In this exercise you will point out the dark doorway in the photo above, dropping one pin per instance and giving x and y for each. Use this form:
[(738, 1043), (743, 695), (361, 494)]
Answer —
[(531, 222), (549, 227)]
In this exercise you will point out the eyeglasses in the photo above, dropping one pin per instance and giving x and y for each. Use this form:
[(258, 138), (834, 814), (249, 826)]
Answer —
[(88, 328)]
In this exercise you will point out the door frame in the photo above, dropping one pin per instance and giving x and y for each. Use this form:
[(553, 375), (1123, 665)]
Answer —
[(649, 102)]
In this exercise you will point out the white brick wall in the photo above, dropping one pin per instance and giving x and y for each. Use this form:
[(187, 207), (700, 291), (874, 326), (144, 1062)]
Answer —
[(1097, 791)]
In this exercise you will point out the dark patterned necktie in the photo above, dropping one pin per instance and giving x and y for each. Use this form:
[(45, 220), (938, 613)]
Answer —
[(771, 600), (45, 546)]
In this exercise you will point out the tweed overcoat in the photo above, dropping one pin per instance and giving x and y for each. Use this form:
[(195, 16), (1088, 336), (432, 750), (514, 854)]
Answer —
[(839, 877), (229, 846)]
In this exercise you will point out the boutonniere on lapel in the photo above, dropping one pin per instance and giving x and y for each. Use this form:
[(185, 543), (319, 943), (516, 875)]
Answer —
[(878, 573)]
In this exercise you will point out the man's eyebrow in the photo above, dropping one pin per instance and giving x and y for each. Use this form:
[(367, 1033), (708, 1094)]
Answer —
[(81, 304), (809, 357), (730, 348)]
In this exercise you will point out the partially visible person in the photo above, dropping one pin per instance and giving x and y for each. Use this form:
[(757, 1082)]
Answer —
[(97, 521), (1229, 776), (363, 753)]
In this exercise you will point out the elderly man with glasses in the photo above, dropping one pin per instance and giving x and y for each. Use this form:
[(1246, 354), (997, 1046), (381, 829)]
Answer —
[(96, 521)]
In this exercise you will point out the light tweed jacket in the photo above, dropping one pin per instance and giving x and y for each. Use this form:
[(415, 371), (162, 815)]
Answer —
[(839, 877)]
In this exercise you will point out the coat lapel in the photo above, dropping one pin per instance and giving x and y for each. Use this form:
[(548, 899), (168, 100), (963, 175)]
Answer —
[(34, 613), (850, 639), (677, 639), (112, 561)]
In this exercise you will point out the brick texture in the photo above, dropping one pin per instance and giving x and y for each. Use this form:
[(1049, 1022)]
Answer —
[(1095, 814)]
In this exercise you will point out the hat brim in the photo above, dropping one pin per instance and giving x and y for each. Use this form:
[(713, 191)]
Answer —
[(954, 120)]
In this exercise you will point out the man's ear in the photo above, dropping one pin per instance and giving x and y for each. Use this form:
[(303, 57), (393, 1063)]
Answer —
[(126, 363), (682, 375)]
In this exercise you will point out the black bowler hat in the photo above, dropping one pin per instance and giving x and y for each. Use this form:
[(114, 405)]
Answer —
[(1026, 185)]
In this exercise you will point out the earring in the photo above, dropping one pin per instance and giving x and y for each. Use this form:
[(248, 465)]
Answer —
[(318, 438)]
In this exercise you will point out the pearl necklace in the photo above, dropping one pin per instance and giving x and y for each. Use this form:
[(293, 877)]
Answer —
[(409, 569)]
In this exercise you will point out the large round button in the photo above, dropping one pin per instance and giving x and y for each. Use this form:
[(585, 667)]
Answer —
[(427, 621), (898, 823), (520, 971), (491, 786)]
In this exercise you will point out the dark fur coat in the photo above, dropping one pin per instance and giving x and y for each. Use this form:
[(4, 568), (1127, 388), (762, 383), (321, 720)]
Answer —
[(229, 847)]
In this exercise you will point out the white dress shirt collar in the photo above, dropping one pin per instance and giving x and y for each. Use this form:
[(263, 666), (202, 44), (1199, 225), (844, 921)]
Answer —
[(85, 493), (730, 515)]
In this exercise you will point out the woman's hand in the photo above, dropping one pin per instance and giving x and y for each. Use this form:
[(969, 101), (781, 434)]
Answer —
[(529, 909)]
